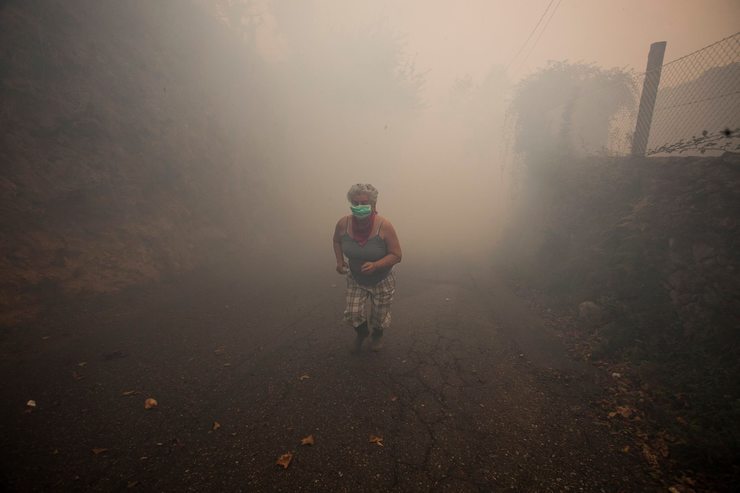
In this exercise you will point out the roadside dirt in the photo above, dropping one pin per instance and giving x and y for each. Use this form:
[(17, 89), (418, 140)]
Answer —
[(467, 395)]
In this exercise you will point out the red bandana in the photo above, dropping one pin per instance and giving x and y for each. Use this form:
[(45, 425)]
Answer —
[(361, 230)]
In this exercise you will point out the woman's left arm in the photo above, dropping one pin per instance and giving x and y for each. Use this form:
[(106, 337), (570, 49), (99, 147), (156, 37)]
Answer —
[(393, 246)]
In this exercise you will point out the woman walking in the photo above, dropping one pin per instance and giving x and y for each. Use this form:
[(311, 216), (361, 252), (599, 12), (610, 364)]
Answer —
[(371, 245)]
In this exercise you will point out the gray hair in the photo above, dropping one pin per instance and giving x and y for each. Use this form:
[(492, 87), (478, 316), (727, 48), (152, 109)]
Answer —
[(367, 188)]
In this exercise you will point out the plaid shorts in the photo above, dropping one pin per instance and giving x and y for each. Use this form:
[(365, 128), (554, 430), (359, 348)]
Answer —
[(381, 296)]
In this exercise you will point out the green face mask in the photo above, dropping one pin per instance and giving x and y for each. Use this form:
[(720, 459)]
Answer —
[(361, 211)]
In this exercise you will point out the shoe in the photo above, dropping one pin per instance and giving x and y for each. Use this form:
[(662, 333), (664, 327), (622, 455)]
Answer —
[(362, 333), (377, 340)]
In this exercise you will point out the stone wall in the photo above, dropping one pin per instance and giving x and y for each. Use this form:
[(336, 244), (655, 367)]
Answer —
[(654, 242), (637, 262)]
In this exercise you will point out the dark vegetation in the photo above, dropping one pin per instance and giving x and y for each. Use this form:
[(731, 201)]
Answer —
[(123, 157), (144, 139)]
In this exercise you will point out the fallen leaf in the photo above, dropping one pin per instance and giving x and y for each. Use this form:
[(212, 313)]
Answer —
[(98, 451), (626, 449), (623, 411), (216, 425), (303, 377), (376, 440), (82, 364), (150, 403), (680, 488), (309, 440), (394, 398), (128, 392), (219, 350), (284, 460), (77, 376), (31, 403), (650, 456)]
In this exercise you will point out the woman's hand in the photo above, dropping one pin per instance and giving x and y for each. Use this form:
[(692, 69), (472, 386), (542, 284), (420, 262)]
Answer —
[(368, 268), (342, 268)]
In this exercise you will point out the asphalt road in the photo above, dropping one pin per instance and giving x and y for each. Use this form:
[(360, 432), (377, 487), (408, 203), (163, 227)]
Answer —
[(469, 394)]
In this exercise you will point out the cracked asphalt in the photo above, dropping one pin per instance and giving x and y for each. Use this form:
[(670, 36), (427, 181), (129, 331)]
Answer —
[(469, 393)]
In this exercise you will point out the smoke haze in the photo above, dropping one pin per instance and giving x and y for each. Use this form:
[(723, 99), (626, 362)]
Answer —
[(172, 172), (411, 97)]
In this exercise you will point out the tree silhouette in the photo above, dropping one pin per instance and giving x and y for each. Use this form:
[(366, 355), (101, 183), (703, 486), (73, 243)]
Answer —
[(567, 108)]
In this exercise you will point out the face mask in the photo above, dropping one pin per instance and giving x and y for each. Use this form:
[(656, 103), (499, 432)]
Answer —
[(361, 211)]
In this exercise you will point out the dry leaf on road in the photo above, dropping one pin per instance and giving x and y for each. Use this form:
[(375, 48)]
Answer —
[(98, 451), (309, 440), (128, 392), (623, 411), (150, 403), (650, 456), (303, 377), (216, 425), (376, 440), (284, 460)]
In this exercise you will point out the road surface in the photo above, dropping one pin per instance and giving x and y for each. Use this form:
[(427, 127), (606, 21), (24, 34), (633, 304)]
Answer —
[(469, 394)]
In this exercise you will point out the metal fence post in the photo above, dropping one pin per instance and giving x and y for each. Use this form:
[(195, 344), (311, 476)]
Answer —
[(647, 99)]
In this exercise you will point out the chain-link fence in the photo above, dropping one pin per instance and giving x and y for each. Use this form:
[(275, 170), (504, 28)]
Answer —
[(698, 102), (697, 108)]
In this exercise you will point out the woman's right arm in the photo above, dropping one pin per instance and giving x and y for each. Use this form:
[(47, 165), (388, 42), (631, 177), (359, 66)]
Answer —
[(337, 243)]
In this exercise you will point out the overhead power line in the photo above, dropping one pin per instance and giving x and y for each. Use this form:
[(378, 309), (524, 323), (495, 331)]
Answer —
[(544, 28), (534, 29)]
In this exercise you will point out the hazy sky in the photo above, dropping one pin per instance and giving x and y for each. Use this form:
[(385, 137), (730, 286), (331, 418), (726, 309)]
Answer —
[(612, 33), (451, 39)]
